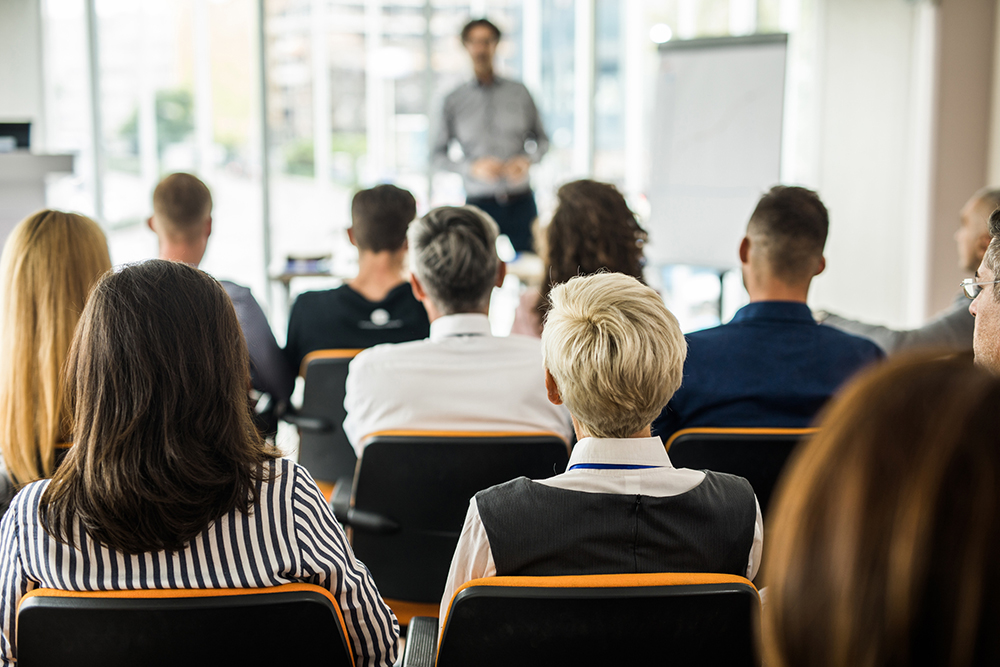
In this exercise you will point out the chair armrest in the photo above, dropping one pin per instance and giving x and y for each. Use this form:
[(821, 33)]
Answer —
[(421, 642), (369, 522), (314, 424), (340, 500)]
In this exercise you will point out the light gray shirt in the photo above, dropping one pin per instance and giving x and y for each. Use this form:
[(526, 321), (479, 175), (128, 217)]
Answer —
[(496, 120), (951, 328)]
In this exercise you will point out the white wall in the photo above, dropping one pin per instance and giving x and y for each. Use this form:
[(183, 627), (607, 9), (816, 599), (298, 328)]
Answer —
[(904, 121), (21, 64)]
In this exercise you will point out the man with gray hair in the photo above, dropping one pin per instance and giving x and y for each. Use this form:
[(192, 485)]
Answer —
[(952, 327), (985, 306), (462, 377)]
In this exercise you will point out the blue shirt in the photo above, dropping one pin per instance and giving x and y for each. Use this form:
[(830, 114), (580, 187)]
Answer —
[(771, 366)]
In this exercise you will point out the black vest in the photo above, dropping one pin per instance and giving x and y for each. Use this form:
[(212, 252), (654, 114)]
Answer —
[(537, 530)]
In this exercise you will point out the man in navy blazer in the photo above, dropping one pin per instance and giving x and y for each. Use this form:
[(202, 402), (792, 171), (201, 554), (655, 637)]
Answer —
[(772, 365)]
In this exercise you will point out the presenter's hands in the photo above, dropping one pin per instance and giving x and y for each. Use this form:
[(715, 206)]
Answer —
[(488, 169), (516, 168)]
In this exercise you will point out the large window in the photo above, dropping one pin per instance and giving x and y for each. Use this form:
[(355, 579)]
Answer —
[(349, 96)]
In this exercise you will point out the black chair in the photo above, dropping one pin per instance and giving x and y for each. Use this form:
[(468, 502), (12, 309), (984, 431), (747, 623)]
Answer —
[(758, 454), (324, 449), (196, 628), (409, 499), (617, 619)]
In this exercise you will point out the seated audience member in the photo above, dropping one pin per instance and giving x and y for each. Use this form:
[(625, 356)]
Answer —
[(49, 264), (887, 530), (613, 355), (378, 305), (592, 229), (182, 221), (461, 377), (772, 365), (985, 306), (167, 468), (951, 328)]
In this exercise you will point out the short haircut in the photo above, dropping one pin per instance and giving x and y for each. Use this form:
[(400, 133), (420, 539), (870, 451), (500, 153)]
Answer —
[(163, 442), (989, 196), (615, 352), (453, 254), (485, 23), (182, 203), (380, 216), (886, 526), (789, 226), (992, 255)]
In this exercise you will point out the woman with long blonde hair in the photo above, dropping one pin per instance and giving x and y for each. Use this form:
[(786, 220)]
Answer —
[(49, 264)]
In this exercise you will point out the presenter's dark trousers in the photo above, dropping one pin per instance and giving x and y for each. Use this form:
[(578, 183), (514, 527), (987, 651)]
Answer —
[(514, 214)]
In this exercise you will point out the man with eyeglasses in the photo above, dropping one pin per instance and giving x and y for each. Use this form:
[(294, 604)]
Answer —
[(985, 306), (951, 328), (496, 124)]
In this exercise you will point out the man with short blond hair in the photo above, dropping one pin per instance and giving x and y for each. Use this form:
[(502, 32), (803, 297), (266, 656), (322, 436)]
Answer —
[(613, 355), (182, 222)]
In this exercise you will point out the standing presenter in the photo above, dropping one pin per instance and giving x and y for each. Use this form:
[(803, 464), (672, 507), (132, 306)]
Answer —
[(494, 120)]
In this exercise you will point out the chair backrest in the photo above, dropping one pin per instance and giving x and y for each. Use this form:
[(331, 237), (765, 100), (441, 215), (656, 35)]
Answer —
[(758, 454), (327, 454), (182, 627), (423, 482), (619, 619)]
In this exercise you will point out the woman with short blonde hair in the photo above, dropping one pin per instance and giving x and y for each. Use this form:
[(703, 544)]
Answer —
[(886, 532), (49, 264)]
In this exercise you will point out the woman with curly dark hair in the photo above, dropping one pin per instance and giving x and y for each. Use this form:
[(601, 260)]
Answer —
[(592, 230)]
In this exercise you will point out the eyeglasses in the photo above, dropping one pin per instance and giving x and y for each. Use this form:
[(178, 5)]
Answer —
[(972, 288)]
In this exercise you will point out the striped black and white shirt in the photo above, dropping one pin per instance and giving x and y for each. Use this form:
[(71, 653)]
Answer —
[(290, 537)]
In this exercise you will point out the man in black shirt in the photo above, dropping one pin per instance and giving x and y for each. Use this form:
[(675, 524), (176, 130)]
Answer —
[(378, 305)]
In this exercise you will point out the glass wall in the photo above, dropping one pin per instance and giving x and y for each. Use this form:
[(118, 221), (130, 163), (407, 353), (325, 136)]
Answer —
[(351, 97)]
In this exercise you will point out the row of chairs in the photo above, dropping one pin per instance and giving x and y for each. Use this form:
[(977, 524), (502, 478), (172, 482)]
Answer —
[(404, 508), (681, 619), (758, 454), (405, 504)]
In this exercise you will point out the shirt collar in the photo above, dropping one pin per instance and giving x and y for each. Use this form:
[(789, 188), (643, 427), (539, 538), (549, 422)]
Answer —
[(462, 324), (782, 311), (629, 451)]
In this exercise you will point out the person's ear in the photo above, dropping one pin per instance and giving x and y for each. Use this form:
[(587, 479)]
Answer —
[(208, 227), (418, 290), (552, 389), (149, 223), (501, 273), (821, 267), (745, 250), (982, 243), (350, 236)]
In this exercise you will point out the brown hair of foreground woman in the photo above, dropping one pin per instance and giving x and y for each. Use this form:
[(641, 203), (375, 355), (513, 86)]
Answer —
[(163, 440), (49, 264), (886, 533)]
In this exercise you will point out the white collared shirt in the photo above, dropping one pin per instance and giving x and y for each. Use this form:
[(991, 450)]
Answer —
[(461, 378), (474, 558)]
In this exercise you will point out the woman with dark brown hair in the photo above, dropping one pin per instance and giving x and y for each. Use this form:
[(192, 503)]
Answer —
[(886, 536), (168, 484), (592, 229)]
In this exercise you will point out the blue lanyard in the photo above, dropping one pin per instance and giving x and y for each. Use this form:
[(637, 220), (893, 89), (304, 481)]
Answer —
[(610, 466)]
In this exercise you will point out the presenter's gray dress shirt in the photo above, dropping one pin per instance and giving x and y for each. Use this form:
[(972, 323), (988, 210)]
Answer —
[(495, 120)]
